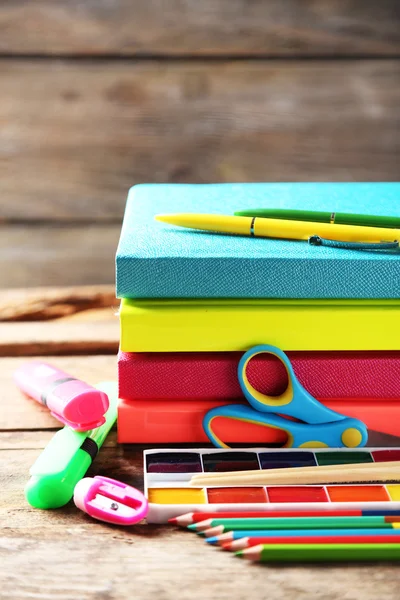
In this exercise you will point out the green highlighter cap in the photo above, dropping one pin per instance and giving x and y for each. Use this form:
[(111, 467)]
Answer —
[(67, 457)]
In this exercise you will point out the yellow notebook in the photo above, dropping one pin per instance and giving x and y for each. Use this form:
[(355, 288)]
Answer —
[(228, 325)]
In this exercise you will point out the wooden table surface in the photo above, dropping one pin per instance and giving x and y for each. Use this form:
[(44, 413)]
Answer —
[(64, 554)]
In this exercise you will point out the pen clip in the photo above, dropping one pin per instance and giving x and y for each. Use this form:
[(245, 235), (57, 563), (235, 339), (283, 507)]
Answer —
[(316, 240)]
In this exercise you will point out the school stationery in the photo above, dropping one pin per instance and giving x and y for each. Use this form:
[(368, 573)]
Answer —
[(315, 233), (320, 426), (322, 553), (167, 475), (73, 402), (321, 217), (213, 527), (180, 421), (213, 375), (66, 459), (383, 471), (198, 517), (365, 537), (235, 325), (156, 260), (110, 500), (294, 534)]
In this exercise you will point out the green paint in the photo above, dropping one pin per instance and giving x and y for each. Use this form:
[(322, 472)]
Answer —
[(342, 458)]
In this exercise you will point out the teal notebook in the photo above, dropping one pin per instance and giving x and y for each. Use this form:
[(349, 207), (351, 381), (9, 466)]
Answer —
[(156, 260)]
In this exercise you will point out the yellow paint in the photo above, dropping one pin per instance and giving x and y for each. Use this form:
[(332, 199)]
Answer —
[(237, 325), (314, 445), (177, 495), (351, 437), (394, 493)]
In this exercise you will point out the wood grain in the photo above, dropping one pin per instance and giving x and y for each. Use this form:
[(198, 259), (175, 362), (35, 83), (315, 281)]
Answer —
[(55, 254), (76, 136), (209, 27), (69, 556), (42, 304), (64, 554), (55, 337)]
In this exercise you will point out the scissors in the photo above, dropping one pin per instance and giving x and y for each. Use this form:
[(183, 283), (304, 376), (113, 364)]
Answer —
[(320, 427)]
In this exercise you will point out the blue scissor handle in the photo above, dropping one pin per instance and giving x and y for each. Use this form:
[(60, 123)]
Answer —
[(347, 432), (295, 401)]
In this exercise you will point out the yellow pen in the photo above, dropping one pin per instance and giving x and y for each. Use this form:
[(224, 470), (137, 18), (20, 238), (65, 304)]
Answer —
[(279, 228)]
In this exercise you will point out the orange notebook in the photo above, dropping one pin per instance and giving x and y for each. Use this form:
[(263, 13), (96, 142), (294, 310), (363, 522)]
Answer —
[(180, 421)]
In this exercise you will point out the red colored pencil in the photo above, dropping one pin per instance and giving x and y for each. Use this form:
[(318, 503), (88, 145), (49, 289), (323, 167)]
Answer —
[(248, 542), (195, 517)]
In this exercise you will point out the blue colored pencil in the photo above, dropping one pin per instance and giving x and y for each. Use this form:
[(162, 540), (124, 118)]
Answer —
[(218, 540)]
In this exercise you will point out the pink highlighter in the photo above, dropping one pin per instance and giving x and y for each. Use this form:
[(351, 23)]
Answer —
[(71, 401)]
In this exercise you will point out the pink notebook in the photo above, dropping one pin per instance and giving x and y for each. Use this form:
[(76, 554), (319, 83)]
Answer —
[(213, 375)]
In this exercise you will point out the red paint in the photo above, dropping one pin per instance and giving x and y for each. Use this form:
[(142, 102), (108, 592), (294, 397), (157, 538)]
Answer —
[(385, 455), (357, 493), (296, 494), (236, 495), (328, 539)]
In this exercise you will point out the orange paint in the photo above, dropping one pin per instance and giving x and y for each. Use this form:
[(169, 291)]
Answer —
[(236, 495), (357, 493)]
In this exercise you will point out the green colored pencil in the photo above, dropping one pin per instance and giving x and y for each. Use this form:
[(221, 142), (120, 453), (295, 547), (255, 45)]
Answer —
[(217, 526), (315, 216), (321, 553)]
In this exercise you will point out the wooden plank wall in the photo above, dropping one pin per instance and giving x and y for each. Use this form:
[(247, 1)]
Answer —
[(96, 96)]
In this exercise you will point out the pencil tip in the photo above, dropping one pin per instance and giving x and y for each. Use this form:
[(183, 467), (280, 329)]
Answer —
[(227, 546), (217, 530), (212, 540)]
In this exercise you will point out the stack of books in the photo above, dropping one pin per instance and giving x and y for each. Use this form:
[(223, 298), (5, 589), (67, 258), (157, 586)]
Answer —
[(194, 301)]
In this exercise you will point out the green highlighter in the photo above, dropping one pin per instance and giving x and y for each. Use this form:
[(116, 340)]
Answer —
[(316, 216), (67, 457)]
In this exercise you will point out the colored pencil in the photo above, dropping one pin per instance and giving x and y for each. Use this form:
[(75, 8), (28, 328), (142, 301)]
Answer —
[(218, 526), (321, 553), (383, 471), (248, 542), (196, 517), (223, 538)]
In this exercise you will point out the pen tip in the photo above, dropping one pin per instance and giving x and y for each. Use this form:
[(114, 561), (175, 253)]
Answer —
[(162, 218)]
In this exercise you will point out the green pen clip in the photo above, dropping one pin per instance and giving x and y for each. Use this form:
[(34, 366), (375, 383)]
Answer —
[(67, 457), (316, 240)]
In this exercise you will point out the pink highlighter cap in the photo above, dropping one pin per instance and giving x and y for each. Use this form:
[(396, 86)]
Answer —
[(110, 500), (72, 401)]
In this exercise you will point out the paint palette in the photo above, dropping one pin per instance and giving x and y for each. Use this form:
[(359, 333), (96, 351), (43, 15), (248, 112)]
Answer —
[(167, 474)]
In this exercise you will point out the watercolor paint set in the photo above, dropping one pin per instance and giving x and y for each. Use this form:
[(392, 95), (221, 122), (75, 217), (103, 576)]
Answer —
[(167, 475)]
